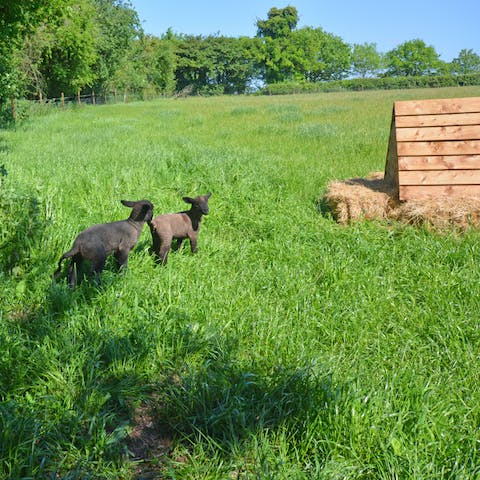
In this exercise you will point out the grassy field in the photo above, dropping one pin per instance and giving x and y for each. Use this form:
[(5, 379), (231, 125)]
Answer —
[(289, 347)]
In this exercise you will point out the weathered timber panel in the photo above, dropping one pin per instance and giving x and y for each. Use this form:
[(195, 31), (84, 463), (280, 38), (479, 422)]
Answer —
[(434, 148), (442, 106), (439, 162), (457, 132), (415, 192), (451, 147), (438, 120), (439, 177)]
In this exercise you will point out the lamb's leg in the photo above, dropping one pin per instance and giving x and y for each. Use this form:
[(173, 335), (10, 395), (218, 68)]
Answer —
[(193, 243), (97, 267), (71, 275), (72, 272), (58, 271), (166, 243), (155, 242), (122, 259)]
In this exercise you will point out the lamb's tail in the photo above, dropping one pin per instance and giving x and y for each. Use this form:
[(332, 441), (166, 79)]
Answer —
[(72, 252)]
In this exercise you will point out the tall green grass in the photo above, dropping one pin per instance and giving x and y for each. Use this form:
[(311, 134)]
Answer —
[(289, 347)]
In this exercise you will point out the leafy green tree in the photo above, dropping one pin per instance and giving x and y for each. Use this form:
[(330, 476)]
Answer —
[(466, 62), (192, 67), (232, 63), (276, 33), (319, 55), (60, 52), (119, 27), (70, 44), (30, 59), (279, 60), (251, 59), (216, 64), (279, 24), (18, 17), (74, 52), (366, 60), (305, 54), (131, 72), (159, 60), (412, 58), (17, 20), (309, 54)]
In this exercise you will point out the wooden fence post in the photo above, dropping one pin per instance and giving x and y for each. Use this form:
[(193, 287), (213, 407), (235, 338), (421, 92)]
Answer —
[(125, 96), (78, 97), (93, 97), (63, 101), (115, 95)]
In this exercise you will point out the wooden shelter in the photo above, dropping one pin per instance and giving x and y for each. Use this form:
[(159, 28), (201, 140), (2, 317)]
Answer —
[(434, 149)]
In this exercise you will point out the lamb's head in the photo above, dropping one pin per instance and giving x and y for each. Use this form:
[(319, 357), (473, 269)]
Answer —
[(199, 203), (142, 210)]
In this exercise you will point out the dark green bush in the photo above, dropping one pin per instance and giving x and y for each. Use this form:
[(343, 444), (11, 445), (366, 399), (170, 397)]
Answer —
[(381, 83)]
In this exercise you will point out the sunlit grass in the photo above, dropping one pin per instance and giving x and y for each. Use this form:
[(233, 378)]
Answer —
[(289, 347)]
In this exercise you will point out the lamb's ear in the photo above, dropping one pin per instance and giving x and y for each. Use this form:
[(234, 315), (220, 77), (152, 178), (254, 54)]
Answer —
[(208, 195), (187, 199), (128, 203), (147, 211)]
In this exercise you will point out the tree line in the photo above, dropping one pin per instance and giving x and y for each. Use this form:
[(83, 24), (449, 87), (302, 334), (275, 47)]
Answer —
[(49, 47)]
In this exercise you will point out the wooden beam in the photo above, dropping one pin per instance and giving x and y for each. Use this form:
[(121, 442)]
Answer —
[(438, 120), (437, 106), (439, 177), (461, 147), (391, 164), (460, 132), (409, 192), (440, 162)]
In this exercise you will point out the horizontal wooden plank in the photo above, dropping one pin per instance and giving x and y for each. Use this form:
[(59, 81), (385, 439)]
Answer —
[(439, 177), (437, 120), (440, 162), (435, 106), (461, 132), (461, 147), (409, 192)]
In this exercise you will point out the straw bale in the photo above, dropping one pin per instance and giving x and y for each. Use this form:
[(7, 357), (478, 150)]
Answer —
[(372, 198), (458, 213), (360, 198)]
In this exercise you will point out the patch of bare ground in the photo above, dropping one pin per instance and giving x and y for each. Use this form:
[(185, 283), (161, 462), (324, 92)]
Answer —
[(148, 445)]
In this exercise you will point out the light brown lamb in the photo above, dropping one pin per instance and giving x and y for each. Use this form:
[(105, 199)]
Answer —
[(179, 226)]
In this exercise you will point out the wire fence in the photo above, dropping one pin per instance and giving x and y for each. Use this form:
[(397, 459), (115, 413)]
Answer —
[(21, 108), (18, 106)]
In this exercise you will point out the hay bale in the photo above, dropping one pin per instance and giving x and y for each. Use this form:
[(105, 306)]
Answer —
[(360, 199), (441, 213), (372, 198)]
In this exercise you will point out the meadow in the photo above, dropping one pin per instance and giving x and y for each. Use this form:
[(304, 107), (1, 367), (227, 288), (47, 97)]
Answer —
[(289, 347)]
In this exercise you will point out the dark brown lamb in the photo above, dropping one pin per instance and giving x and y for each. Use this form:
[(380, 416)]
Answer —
[(165, 228), (98, 241)]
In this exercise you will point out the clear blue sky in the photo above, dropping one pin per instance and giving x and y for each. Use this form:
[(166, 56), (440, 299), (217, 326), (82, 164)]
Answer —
[(447, 25)]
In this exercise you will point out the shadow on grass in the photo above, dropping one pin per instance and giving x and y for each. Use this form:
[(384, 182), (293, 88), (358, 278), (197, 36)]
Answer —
[(20, 225), (226, 402), (215, 396), (323, 208)]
